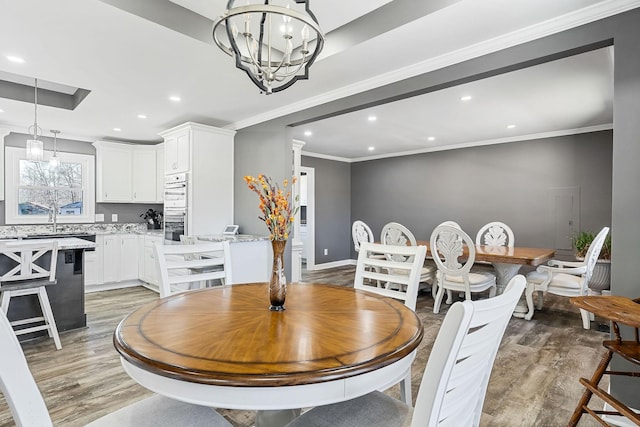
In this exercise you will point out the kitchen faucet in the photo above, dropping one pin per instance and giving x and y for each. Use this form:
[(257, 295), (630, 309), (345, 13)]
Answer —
[(53, 216)]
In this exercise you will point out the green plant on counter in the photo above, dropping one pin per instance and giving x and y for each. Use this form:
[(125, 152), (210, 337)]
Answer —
[(582, 241), (152, 217)]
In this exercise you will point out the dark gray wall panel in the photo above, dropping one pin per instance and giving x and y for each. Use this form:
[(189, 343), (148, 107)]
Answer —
[(332, 208), (473, 186)]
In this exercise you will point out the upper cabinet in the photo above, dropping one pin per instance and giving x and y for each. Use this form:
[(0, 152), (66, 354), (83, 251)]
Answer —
[(126, 173), (205, 153), (177, 149)]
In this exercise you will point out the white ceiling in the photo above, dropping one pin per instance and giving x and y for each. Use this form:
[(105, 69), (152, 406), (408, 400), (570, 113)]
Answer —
[(132, 65)]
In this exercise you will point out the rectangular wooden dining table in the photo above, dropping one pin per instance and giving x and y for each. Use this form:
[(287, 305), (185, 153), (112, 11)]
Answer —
[(506, 262), (222, 347)]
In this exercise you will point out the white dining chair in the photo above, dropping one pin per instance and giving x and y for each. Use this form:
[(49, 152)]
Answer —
[(192, 240), (399, 265), (28, 408), (495, 233), (447, 246), (361, 233), (397, 234), (188, 266), (454, 382), (565, 278), (30, 274)]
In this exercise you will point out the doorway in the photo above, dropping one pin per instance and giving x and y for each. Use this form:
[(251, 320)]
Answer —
[(307, 216)]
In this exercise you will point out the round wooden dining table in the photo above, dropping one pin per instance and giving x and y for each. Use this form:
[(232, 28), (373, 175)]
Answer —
[(222, 347)]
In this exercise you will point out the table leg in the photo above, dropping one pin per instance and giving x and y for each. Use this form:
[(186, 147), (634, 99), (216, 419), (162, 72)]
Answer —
[(504, 273), (278, 418)]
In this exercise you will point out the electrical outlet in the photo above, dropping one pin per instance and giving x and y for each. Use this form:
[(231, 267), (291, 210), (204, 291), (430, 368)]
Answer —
[(114, 217), (99, 217), (326, 251)]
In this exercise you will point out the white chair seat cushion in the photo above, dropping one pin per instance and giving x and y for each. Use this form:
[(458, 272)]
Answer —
[(475, 279), (559, 281), (158, 411), (371, 410)]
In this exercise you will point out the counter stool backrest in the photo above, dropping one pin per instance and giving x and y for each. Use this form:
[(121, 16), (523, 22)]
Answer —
[(22, 260)]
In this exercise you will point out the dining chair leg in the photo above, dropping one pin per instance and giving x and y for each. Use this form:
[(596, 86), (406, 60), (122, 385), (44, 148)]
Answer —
[(586, 396), (438, 301), (47, 313), (405, 389), (529, 297)]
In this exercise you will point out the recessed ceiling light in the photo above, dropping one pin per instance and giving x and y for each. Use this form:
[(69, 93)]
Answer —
[(466, 98), (308, 133), (117, 129), (511, 126), (142, 116), (16, 59), (431, 138), (175, 98), (1, 110), (372, 118), (372, 148)]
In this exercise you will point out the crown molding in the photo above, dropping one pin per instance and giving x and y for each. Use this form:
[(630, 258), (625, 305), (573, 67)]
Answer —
[(555, 25), (327, 157)]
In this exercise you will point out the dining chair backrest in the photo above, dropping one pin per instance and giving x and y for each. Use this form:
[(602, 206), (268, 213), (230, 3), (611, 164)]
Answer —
[(23, 260), (397, 234), (591, 257), (372, 269), (495, 233), (451, 224), (175, 262), (456, 377), (447, 245), (360, 232), (16, 382)]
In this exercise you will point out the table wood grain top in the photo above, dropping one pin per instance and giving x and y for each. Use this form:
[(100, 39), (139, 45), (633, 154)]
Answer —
[(227, 335), (615, 308), (502, 254)]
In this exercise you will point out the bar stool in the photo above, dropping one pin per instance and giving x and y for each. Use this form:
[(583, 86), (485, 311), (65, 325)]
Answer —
[(619, 310), (27, 276)]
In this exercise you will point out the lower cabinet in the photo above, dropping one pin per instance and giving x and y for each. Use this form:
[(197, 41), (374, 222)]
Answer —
[(148, 266), (115, 260)]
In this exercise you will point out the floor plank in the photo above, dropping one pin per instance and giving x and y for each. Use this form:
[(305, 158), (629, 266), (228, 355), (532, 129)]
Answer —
[(534, 380)]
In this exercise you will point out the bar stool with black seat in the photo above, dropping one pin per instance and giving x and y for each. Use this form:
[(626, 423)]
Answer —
[(619, 310), (29, 272)]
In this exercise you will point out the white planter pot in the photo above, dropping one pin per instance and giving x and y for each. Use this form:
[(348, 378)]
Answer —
[(601, 277)]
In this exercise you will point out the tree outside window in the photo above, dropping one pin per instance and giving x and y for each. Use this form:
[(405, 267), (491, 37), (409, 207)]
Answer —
[(44, 189)]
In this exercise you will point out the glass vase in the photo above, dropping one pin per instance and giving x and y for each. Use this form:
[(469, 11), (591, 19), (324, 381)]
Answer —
[(278, 282)]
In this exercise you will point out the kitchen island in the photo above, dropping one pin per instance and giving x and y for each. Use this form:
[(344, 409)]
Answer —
[(251, 256), (66, 296)]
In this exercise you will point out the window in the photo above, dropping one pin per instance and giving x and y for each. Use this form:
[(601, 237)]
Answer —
[(35, 190)]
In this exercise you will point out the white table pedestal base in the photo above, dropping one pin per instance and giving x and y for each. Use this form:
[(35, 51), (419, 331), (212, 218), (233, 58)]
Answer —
[(504, 273), (277, 418)]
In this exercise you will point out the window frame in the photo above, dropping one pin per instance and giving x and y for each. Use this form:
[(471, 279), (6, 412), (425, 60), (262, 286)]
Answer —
[(13, 155)]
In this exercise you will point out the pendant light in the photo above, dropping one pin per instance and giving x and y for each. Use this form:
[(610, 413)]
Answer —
[(54, 161), (35, 147)]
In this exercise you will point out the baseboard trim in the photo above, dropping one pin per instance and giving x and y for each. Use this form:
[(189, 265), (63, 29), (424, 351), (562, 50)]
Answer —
[(333, 264), (111, 286)]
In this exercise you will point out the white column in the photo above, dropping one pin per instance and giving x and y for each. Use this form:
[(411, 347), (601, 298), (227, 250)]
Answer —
[(3, 132), (296, 242)]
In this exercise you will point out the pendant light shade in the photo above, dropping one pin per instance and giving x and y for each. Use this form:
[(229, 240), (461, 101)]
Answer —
[(35, 147)]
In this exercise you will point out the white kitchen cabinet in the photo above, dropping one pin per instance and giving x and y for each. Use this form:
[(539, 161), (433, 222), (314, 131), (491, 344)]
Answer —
[(160, 173), (127, 173), (93, 265), (113, 172), (177, 147), (120, 257), (148, 265), (205, 153), (144, 175)]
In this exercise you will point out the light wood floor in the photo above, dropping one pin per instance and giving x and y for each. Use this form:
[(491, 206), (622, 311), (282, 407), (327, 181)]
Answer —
[(534, 381)]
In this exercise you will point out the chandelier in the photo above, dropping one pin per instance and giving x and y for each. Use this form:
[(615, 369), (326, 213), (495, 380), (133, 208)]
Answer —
[(275, 44), (35, 147)]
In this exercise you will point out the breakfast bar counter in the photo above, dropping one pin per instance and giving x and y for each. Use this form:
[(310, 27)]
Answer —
[(67, 295)]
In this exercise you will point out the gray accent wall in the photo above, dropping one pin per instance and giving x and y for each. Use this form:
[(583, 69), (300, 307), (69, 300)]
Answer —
[(332, 208), (473, 186)]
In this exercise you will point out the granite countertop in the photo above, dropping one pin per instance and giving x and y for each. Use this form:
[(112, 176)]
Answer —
[(64, 243), (238, 238), (20, 231)]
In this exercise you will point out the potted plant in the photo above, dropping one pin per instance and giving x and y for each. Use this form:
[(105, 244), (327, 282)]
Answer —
[(601, 277), (153, 219)]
